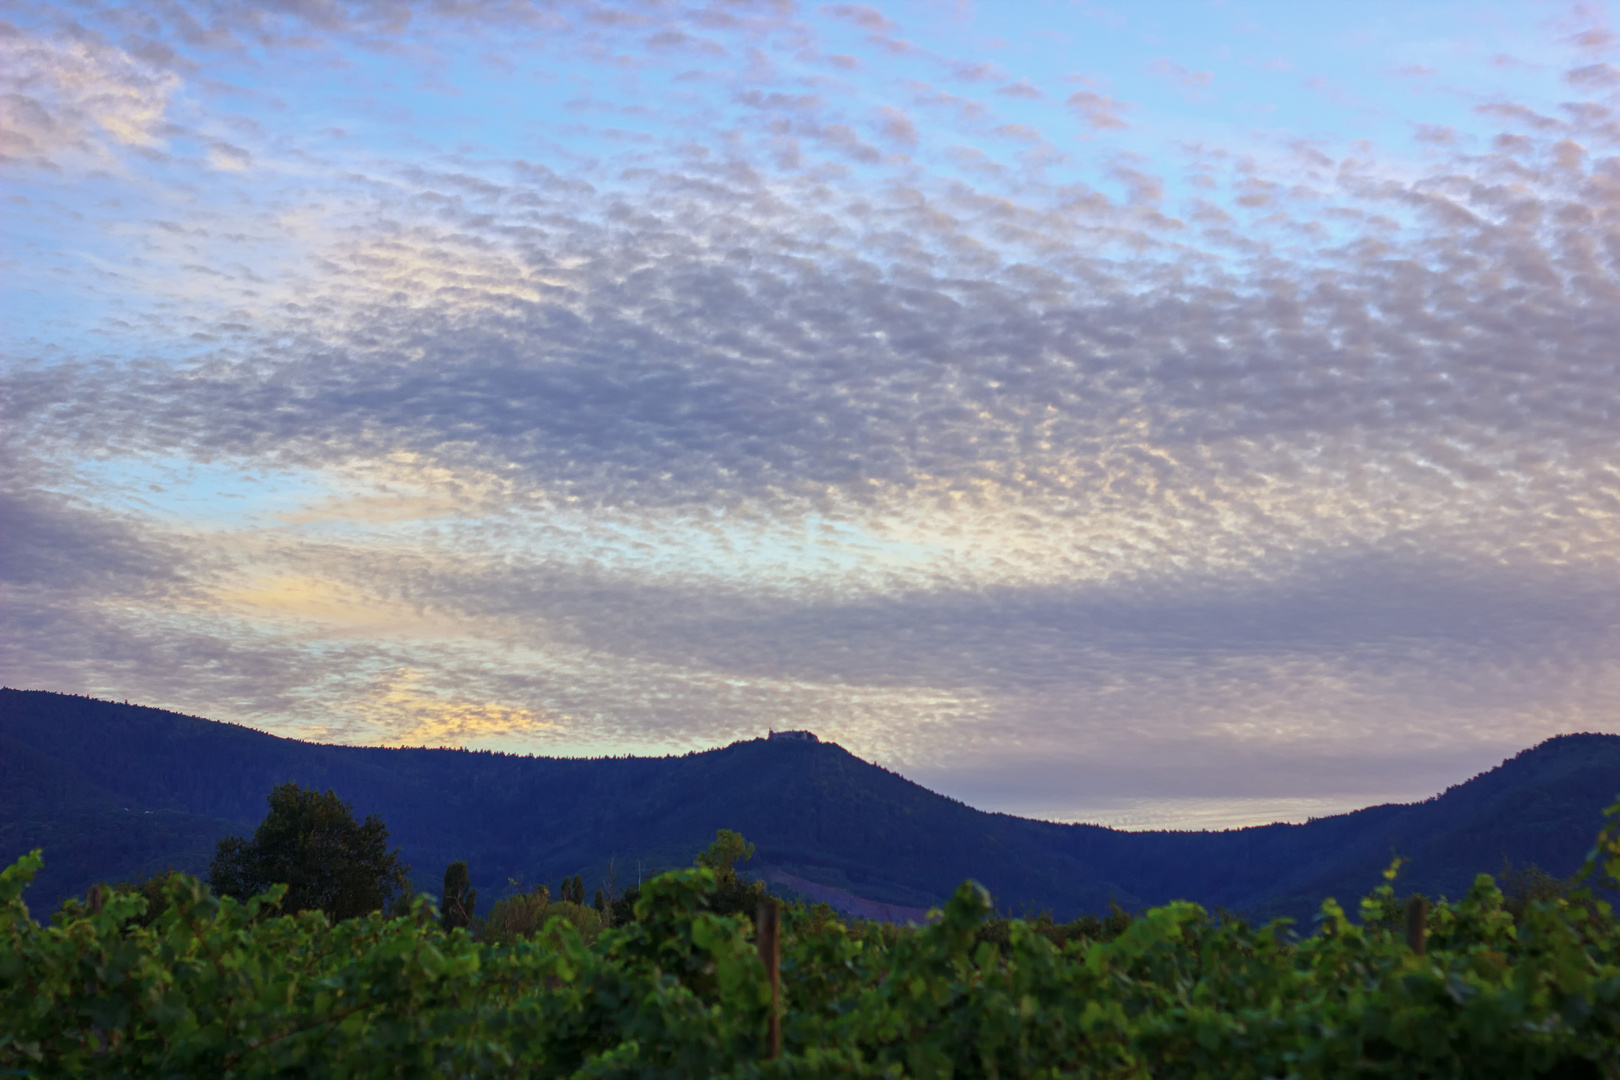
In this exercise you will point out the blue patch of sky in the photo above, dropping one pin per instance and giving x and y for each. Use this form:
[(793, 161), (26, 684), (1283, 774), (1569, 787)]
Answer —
[(1277, 72), (209, 495), (229, 495), (68, 278), (811, 549)]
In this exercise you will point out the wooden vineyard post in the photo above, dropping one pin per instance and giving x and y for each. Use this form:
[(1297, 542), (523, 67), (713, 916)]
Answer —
[(1417, 924), (767, 934), (92, 988)]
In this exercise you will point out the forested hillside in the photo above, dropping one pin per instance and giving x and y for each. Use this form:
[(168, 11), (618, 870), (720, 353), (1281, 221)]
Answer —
[(109, 790)]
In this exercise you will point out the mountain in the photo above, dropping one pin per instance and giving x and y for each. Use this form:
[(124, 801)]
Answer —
[(110, 790)]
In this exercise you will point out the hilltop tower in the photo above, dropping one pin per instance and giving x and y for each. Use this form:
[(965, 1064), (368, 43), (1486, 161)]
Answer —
[(800, 736)]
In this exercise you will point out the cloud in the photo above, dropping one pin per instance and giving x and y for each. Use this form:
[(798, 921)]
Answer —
[(67, 546), (1508, 62), (897, 128), (416, 716), (976, 71), (1098, 112), (1594, 39), (774, 375), (1144, 189), (1593, 76), (67, 102), (1181, 76), (1021, 90), (223, 155), (649, 429), (965, 109), (868, 18), (1436, 134), (1520, 114)]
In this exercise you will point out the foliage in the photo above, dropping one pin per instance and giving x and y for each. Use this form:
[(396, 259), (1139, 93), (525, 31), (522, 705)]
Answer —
[(213, 986), (722, 856), (152, 888), (732, 894), (999, 931), (517, 916), (524, 915), (622, 908), (459, 901), (1524, 885), (311, 842)]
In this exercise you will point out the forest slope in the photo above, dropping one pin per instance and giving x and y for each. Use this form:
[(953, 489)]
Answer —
[(109, 790)]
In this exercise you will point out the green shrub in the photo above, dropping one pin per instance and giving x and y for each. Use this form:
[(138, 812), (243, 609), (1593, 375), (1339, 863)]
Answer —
[(523, 915)]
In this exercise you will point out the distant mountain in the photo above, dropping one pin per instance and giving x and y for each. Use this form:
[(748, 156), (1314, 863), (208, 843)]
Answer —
[(109, 790)]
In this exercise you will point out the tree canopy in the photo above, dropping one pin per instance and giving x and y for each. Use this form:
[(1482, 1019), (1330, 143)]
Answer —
[(732, 895), (460, 899), (311, 842)]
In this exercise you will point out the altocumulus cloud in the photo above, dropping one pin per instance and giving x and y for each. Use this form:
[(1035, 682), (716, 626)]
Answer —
[(588, 379)]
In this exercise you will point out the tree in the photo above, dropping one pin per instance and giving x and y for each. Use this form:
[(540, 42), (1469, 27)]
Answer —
[(728, 848), (732, 895), (460, 898), (311, 842)]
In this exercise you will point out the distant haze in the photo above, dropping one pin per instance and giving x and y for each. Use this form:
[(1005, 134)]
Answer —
[(1174, 414)]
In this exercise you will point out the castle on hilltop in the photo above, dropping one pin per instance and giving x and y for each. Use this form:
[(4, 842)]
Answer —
[(801, 736)]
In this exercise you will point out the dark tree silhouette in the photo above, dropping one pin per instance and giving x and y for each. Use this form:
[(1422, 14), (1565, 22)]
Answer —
[(460, 898), (573, 890), (311, 842)]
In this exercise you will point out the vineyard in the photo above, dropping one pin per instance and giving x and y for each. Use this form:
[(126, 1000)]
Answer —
[(208, 986)]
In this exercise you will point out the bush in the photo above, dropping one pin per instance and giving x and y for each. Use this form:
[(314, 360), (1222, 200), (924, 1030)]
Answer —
[(526, 914)]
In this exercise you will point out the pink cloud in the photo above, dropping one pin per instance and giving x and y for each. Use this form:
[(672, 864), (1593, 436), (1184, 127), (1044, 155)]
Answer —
[(1097, 111), (865, 17), (1503, 60), (896, 127), (1529, 117), (984, 71), (965, 108), (1568, 155), (1142, 189), (1594, 76), (1597, 39), (1021, 89), (1169, 69), (1436, 135), (1021, 132)]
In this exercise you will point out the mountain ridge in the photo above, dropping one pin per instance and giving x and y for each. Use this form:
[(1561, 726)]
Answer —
[(69, 767)]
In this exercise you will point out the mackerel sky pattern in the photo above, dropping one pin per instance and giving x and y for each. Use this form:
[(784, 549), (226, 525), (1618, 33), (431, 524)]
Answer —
[(1170, 414)]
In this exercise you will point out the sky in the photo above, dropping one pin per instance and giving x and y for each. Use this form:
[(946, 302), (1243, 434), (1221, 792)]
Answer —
[(1165, 414)]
